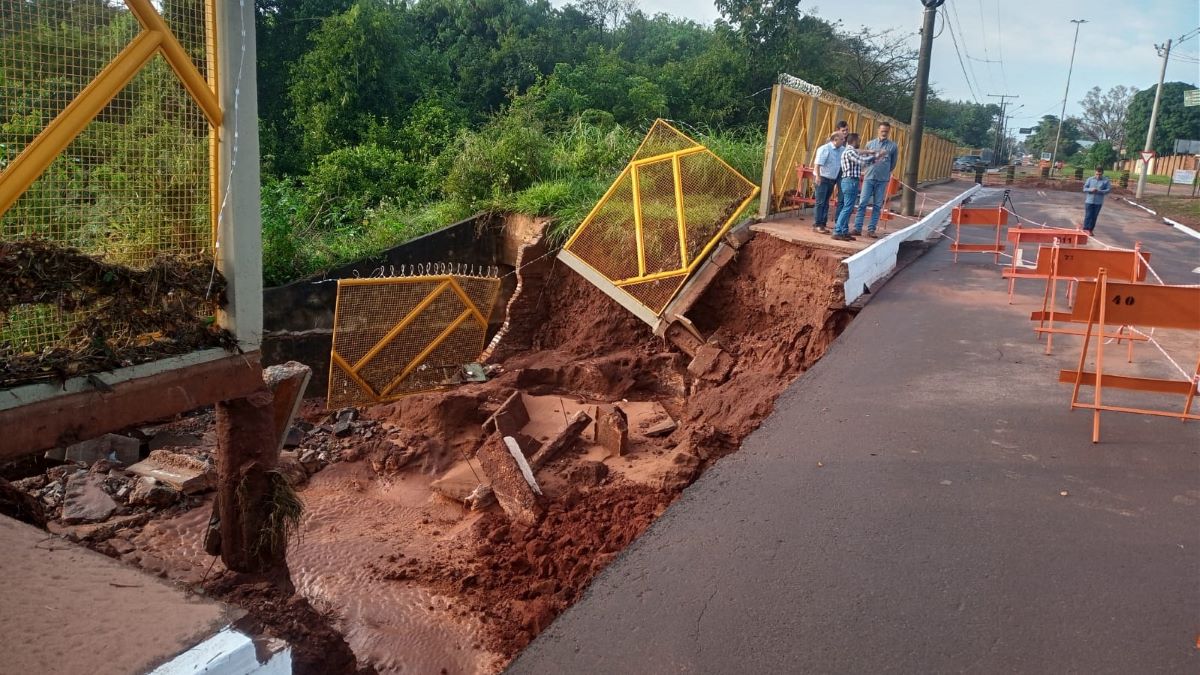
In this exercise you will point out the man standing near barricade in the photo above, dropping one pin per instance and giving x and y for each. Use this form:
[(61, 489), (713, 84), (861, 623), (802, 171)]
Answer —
[(1094, 188), (875, 186), (828, 165), (852, 164)]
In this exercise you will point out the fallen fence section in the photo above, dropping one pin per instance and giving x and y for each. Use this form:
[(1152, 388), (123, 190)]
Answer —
[(396, 336), (879, 260), (659, 221)]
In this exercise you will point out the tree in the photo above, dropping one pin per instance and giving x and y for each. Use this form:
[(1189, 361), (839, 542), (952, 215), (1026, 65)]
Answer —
[(1103, 117), (1175, 121), (878, 70), (969, 123), (1042, 138)]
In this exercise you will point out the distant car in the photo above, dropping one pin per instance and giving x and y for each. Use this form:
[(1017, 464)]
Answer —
[(967, 163)]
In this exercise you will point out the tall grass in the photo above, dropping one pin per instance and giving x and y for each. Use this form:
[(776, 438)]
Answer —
[(572, 170)]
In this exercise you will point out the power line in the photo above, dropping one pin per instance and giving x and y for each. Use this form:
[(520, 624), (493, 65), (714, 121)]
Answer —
[(984, 41), (961, 65), (1000, 46), (970, 66)]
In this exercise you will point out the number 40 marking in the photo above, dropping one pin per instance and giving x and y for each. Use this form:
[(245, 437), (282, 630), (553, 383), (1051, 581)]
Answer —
[(1127, 300)]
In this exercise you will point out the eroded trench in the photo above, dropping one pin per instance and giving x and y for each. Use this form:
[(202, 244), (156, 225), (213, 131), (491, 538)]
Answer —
[(392, 572)]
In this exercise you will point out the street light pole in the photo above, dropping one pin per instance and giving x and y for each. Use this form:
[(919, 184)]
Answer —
[(1063, 114), (912, 160), (1153, 119)]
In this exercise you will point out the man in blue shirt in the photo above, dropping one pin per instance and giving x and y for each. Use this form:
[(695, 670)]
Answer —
[(1095, 188), (828, 165), (875, 186)]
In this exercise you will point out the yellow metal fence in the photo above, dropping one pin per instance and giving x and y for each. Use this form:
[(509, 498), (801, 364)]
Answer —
[(801, 119), (661, 217), (397, 336), (107, 141)]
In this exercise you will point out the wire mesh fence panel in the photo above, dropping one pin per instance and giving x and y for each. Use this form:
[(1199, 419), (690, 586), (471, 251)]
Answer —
[(102, 147), (393, 337), (661, 217)]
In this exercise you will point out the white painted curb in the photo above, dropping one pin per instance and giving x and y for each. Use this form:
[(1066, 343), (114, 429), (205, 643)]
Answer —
[(879, 259)]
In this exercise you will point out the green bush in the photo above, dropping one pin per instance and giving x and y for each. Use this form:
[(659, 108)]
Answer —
[(508, 155), (346, 182)]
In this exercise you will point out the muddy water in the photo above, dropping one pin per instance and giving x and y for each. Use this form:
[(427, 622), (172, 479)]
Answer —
[(353, 522)]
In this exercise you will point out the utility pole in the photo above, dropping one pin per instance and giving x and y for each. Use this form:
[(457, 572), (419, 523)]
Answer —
[(1153, 120), (1000, 123), (1063, 114), (912, 160)]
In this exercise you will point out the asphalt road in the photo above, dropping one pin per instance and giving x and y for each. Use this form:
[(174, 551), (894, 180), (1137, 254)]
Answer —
[(903, 510)]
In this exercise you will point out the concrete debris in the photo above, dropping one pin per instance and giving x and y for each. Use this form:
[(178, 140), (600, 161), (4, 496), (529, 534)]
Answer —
[(294, 437), (522, 463), (32, 483), (310, 460), (343, 428), (18, 504), (113, 447), (85, 500), (291, 468), (661, 428), (182, 472), (588, 473), (612, 430), (510, 418), (149, 492), (93, 532), (287, 382), (711, 364), (172, 439), (685, 468), (562, 442), (512, 491)]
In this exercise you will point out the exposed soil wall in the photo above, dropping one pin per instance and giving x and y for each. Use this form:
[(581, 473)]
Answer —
[(389, 556)]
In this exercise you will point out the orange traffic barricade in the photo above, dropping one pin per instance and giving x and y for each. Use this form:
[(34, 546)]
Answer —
[(806, 184), (1074, 265), (966, 215), (1040, 235), (1103, 302)]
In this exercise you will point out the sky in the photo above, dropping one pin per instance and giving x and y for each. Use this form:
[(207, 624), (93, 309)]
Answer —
[(1028, 44)]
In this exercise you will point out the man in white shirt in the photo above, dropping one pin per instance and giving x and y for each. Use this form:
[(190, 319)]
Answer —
[(828, 165)]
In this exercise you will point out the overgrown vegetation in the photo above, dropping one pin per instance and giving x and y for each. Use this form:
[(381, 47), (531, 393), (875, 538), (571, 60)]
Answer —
[(383, 121)]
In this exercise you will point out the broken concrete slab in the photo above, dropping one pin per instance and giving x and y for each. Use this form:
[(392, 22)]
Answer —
[(287, 382), (182, 472), (149, 492), (520, 503), (522, 463), (112, 447), (510, 418), (85, 500), (711, 364), (612, 430), (563, 441)]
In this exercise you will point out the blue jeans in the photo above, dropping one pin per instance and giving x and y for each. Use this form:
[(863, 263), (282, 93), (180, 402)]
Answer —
[(824, 191), (873, 192), (849, 190), (1090, 213)]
